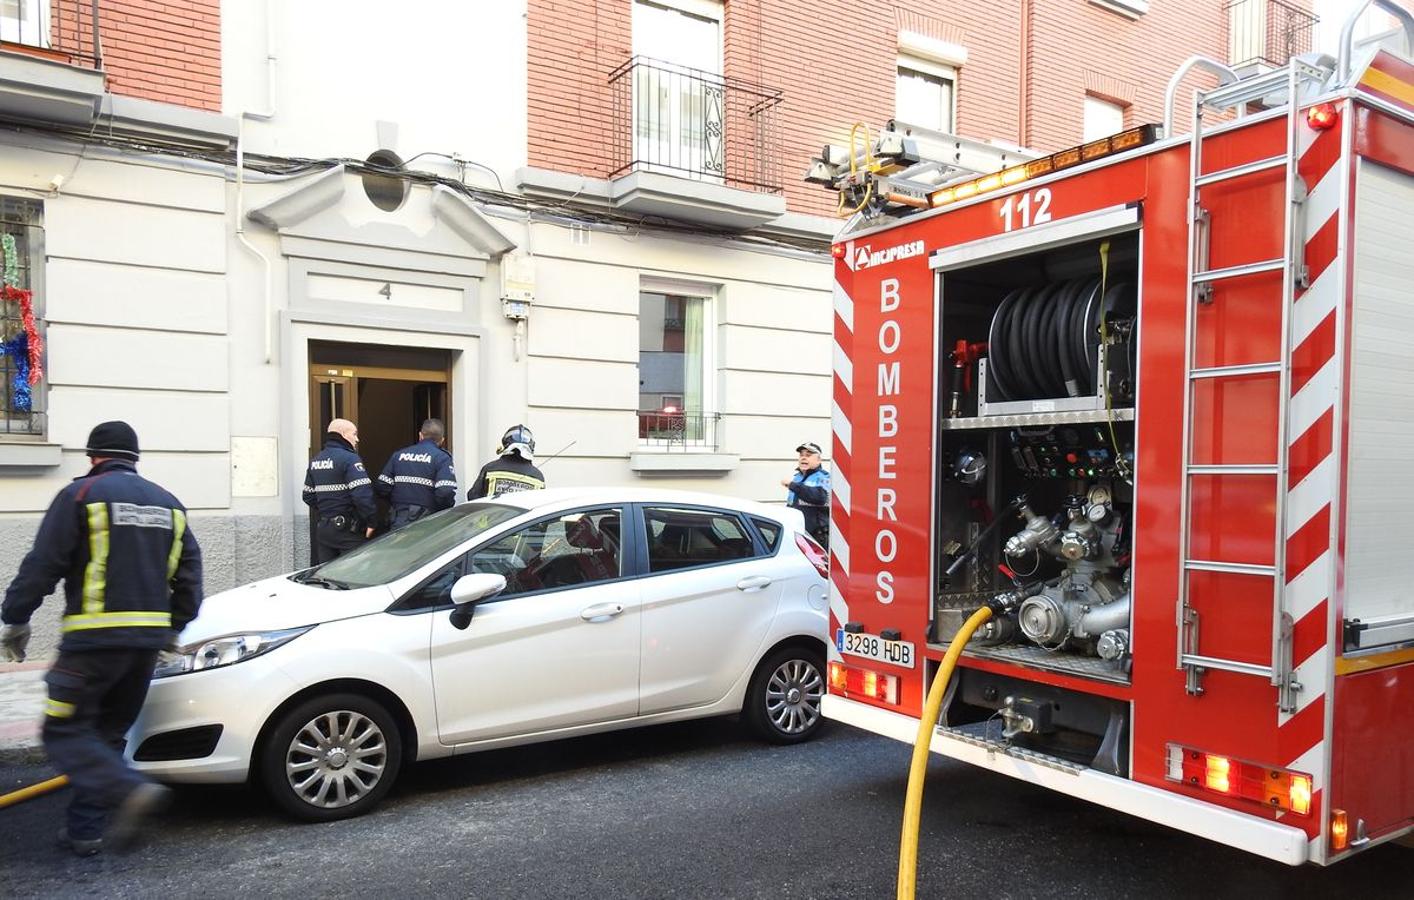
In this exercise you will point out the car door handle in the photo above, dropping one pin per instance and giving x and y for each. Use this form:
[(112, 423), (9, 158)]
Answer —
[(601, 612), (753, 583)]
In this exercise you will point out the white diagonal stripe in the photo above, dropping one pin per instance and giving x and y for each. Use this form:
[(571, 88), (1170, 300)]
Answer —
[(839, 486), (1306, 591), (839, 548), (1312, 307), (844, 431), (1313, 763), (840, 610), (1312, 495), (844, 307), (844, 368), (1314, 398), (1311, 675), (1323, 201), (849, 256)]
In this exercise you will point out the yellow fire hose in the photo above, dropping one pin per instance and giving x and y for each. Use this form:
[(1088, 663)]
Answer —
[(913, 802), (34, 790)]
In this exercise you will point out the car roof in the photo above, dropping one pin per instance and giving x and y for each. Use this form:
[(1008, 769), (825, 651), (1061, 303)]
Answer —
[(562, 497)]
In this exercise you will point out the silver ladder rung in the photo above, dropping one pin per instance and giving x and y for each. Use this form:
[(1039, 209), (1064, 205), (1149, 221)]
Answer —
[(1256, 268), (1234, 470), (1235, 371), (1225, 665), (1261, 165), (1248, 90), (1229, 568)]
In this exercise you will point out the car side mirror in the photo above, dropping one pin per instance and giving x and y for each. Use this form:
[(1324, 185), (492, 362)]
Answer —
[(470, 590)]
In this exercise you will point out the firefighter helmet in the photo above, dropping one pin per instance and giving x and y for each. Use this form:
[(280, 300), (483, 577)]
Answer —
[(518, 439)]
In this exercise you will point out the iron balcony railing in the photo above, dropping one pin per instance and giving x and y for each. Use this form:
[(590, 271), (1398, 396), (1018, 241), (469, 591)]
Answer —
[(695, 124), (678, 430), (62, 30), (1267, 32)]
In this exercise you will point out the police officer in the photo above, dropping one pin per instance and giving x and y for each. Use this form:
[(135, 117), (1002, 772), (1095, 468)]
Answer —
[(340, 494), (809, 491), (419, 479), (132, 582), (513, 470)]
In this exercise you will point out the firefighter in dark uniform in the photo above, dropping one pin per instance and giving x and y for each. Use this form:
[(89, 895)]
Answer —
[(513, 470), (419, 480), (132, 582), (808, 489), (340, 495)]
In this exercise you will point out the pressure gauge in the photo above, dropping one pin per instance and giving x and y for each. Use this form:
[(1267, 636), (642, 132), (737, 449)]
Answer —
[(1099, 495)]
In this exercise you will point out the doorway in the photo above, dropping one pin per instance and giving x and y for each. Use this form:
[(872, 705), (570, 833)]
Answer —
[(387, 391)]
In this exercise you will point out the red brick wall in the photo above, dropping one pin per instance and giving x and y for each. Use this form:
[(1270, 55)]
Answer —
[(168, 51), (833, 74)]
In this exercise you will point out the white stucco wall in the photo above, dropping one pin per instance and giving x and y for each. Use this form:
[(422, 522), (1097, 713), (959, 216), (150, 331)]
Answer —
[(451, 76)]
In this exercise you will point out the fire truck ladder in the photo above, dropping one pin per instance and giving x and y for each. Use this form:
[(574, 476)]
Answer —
[(1236, 95)]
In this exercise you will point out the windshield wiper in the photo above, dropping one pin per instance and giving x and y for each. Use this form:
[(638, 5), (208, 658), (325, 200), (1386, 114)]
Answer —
[(326, 582)]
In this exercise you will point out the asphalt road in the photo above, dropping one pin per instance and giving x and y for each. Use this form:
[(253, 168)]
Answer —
[(692, 810)]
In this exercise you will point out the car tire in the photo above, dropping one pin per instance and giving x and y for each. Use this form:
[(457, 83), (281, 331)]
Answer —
[(783, 701), (331, 757)]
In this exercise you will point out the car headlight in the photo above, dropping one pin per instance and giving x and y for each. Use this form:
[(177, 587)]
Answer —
[(223, 651)]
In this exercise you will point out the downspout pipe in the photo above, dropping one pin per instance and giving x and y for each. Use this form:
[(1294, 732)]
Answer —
[(264, 115), (1225, 76)]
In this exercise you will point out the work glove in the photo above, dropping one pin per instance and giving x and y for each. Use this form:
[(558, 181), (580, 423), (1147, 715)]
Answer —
[(13, 641)]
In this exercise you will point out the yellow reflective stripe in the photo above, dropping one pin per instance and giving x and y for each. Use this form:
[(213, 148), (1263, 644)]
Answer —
[(493, 477), (179, 525), (58, 709), (95, 575), (118, 620)]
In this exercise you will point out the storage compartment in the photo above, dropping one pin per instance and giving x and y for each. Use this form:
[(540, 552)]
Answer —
[(1035, 495)]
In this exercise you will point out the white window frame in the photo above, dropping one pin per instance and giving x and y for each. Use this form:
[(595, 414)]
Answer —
[(932, 69), (12, 27), (1095, 99), (709, 294), (1130, 9)]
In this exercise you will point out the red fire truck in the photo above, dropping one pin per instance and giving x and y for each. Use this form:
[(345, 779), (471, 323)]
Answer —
[(1151, 400)]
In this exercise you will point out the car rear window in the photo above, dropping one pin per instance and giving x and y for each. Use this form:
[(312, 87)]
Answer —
[(770, 533), (686, 538)]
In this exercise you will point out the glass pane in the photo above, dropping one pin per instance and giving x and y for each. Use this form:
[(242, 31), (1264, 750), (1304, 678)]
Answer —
[(403, 551), (573, 549), (670, 353), (684, 538), (770, 531), (924, 100)]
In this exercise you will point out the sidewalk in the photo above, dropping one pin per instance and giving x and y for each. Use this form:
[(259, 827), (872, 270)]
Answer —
[(21, 709)]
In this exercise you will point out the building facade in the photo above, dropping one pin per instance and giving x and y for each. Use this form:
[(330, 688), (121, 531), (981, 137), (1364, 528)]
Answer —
[(239, 219)]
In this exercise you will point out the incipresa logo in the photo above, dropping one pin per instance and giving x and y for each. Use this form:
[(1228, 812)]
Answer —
[(865, 257)]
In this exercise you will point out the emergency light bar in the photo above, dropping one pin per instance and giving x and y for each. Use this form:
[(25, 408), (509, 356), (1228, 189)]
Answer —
[(1074, 156), (1275, 788)]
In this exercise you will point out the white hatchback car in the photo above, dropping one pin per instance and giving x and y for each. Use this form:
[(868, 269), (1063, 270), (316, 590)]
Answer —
[(536, 616)]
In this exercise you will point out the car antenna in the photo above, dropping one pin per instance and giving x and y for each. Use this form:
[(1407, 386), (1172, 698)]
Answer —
[(558, 452)]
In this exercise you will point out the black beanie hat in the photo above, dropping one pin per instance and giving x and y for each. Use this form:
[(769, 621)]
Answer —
[(114, 439)]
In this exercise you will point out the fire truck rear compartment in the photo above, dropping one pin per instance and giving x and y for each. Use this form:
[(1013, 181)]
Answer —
[(1037, 449), (1069, 725)]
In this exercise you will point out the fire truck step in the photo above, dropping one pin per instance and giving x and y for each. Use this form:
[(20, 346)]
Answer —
[(1261, 165), (1235, 371), (1256, 268), (1230, 568), (1234, 470), (1225, 665)]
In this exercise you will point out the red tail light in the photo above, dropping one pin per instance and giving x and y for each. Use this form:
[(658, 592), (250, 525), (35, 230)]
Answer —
[(1276, 788), (817, 555)]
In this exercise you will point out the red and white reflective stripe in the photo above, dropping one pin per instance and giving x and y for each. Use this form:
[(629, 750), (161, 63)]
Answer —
[(841, 409), (1312, 476)]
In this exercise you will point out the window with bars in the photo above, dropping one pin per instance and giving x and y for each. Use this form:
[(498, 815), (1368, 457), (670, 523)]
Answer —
[(22, 404)]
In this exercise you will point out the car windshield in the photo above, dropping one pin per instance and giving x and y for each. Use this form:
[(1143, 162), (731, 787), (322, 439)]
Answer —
[(403, 551)]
